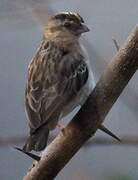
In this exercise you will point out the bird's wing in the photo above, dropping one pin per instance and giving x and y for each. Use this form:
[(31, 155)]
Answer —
[(52, 83)]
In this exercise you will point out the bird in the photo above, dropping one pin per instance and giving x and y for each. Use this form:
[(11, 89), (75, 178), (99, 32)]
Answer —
[(59, 79)]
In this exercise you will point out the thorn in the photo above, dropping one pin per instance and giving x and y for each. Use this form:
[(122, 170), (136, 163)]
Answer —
[(33, 156), (104, 129), (116, 44)]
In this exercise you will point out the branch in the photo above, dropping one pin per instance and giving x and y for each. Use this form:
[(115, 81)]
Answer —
[(92, 114)]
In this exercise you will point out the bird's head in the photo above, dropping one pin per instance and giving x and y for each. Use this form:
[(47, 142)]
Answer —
[(65, 26)]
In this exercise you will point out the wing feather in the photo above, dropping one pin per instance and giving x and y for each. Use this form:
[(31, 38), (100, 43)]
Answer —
[(54, 78)]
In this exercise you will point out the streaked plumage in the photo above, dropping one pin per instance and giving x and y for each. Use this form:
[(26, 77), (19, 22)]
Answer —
[(59, 78), (56, 76)]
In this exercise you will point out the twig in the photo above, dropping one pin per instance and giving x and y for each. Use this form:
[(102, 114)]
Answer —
[(116, 44), (92, 114)]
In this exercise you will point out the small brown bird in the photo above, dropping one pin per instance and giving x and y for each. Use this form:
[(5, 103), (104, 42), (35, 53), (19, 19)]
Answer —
[(59, 78)]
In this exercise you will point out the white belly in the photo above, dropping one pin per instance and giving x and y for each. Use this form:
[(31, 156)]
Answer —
[(84, 92)]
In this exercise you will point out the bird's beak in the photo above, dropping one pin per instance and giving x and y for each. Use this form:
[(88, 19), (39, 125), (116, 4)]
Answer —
[(83, 28)]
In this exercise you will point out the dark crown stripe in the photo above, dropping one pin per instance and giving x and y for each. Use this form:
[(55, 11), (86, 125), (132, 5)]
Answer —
[(69, 15)]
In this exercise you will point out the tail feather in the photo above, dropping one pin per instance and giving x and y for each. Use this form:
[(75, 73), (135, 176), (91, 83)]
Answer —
[(37, 140)]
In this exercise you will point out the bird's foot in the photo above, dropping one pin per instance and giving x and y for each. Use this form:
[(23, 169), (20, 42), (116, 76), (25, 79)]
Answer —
[(61, 127)]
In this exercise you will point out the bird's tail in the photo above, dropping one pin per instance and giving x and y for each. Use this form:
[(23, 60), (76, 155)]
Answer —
[(37, 140)]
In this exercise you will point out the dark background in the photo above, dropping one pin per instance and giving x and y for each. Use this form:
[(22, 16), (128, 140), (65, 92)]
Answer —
[(21, 26)]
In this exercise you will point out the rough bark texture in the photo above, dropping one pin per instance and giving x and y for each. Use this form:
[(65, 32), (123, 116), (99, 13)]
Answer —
[(92, 114)]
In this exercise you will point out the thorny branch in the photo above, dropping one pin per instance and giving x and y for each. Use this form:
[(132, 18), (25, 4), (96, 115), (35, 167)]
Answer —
[(92, 114)]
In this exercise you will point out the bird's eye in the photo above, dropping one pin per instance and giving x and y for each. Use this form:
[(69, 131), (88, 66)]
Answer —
[(67, 24)]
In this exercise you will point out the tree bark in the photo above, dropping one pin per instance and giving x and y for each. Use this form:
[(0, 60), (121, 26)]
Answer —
[(92, 114)]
